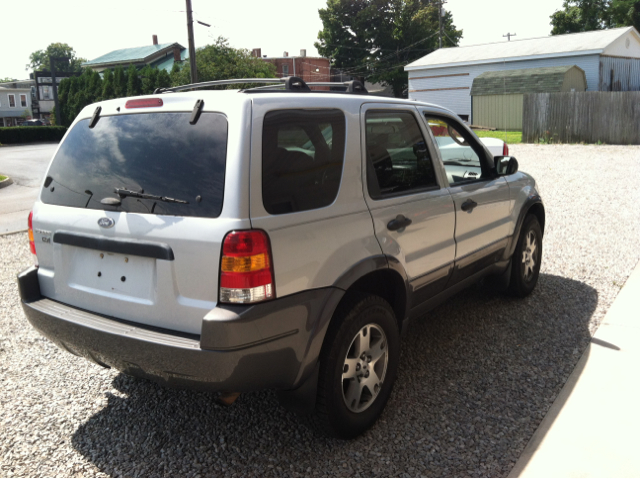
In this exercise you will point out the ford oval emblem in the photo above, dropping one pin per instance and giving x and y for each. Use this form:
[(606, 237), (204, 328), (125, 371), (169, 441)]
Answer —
[(106, 222)]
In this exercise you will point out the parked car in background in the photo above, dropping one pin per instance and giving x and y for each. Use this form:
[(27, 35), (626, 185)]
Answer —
[(32, 123)]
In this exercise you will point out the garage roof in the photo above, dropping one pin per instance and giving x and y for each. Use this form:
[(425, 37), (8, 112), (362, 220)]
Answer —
[(584, 43), (529, 80)]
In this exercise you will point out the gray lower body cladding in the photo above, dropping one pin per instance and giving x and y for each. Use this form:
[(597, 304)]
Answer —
[(242, 348)]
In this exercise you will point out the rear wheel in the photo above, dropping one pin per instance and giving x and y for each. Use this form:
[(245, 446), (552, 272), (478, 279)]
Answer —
[(525, 264), (358, 366)]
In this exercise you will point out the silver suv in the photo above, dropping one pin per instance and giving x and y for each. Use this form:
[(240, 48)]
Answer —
[(274, 238)]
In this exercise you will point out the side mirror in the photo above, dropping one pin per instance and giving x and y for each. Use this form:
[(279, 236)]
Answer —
[(506, 165)]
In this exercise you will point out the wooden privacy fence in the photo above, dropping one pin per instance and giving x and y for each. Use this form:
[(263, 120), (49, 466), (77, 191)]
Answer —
[(590, 117)]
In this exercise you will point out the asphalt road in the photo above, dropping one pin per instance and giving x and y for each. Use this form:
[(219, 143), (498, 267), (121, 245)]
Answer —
[(26, 165)]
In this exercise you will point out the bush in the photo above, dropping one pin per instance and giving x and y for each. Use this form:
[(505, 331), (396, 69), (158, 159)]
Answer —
[(31, 134)]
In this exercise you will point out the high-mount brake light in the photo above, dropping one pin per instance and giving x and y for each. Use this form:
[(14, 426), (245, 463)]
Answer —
[(144, 103), (246, 268), (505, 149), (32, 243)]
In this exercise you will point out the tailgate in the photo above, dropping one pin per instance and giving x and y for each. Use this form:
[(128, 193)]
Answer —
[(128, 224)]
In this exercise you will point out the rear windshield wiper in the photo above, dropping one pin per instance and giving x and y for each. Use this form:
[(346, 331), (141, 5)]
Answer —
[(123, 192)]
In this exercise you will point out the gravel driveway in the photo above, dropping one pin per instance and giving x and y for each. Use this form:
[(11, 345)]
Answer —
[(477, 374)]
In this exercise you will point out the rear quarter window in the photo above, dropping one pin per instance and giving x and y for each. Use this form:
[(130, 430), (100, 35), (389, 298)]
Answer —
[(160, 154), (302, 159)]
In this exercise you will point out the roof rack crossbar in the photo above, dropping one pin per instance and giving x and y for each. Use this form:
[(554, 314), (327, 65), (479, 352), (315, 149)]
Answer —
[(205, 84)]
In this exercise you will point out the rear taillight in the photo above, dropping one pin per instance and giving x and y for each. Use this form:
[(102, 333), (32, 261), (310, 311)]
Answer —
[(32, 243), (246, 272), (505, 149)]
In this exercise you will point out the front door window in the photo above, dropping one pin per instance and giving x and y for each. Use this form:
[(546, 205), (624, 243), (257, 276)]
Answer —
[(460, 155)]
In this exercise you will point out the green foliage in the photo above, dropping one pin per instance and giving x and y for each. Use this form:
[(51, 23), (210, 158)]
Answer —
[(222, 62), (587, 15), (119, 82), (31, 134), (375, 39), (164, 80), (7, 79), (95, 86), (134, 86), (77, 92), (108, 90), (149, 79), (39, 60)]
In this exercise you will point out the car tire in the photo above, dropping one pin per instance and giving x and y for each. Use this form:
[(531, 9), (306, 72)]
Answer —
[(525, 263), (358, 366)]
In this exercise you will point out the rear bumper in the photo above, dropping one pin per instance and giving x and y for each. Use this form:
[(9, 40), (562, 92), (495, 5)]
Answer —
[(242, 348)]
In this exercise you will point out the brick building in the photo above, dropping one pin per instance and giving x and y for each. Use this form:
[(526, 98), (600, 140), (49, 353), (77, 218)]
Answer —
[(310, 69)]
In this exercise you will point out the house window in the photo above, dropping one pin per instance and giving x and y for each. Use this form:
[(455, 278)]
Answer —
[(23, 100), (285, 70), (12, 101)]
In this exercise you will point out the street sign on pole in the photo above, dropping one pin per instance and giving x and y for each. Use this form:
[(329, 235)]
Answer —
[(52, 64)]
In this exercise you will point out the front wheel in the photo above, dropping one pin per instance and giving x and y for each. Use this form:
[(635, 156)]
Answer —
[(526, 258), (358, 366)]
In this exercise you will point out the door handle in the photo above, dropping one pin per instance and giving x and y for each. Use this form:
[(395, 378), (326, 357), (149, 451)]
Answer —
[(468, 205), (399, 222)]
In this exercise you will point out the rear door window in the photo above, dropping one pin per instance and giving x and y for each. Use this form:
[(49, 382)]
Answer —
[(302, 158), (157, 154)]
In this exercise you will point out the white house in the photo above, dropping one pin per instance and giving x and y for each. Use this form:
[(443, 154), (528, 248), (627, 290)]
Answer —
[(609, 58)]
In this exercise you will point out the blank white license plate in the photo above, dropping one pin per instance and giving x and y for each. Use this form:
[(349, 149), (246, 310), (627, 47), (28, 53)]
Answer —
[(111, 273)]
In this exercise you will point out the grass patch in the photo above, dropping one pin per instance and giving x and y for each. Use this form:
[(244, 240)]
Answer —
[(2, 178), (511, 137)]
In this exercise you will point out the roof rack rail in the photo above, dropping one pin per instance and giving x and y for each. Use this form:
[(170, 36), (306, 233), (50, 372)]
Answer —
[(194, 86), (291, 84)]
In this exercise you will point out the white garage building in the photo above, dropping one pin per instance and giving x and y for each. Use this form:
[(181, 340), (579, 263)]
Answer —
[(609, 58)]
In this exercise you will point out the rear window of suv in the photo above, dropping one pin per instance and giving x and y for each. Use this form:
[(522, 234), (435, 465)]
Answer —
[(159, 154), (302, 158)]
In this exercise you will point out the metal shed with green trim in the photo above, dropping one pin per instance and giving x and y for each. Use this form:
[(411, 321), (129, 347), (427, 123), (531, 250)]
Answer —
[(497, 96)]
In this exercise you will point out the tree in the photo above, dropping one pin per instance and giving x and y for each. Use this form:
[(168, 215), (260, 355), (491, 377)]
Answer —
[(587, 15), (119, 82), (164, 80), (108, 90), (222, 62), (625, 13), (133, 82), (7, 79), (39, 60), (149, 79), (94, 86), (375, 39)]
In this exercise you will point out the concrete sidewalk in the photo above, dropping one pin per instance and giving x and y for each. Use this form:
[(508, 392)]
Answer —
[(593, 427)]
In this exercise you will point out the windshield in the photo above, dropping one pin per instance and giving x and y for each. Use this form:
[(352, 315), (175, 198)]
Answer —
[(153, 154)]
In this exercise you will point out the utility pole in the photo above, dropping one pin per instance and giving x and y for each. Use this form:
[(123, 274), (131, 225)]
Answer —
[(508, 36), (192, 48), (441, 13)]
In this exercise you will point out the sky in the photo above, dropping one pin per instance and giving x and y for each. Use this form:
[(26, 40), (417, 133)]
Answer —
[(94, 28)]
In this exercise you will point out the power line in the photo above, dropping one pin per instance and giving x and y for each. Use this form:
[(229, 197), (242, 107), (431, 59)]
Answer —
[(386, 57)]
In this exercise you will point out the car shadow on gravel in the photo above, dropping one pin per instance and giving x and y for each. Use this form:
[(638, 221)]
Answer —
[(477, 376)]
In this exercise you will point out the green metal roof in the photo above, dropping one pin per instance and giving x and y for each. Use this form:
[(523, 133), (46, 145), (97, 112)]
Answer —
[(166, 63), (130, 55), (529, 80)]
